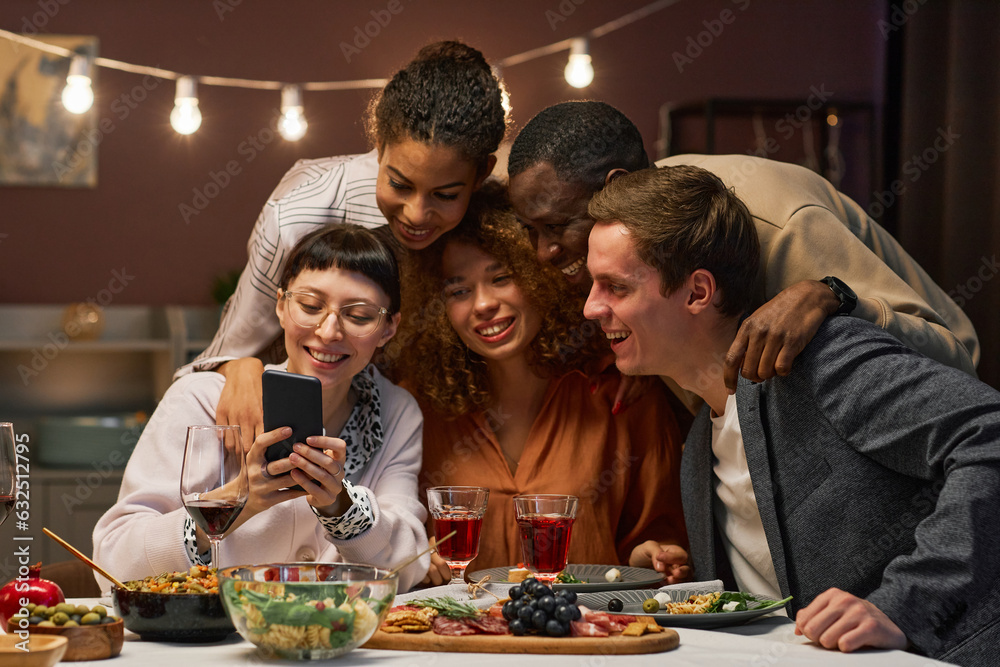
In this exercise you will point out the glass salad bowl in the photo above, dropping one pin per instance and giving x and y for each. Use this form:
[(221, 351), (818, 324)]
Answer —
[(307, 611)]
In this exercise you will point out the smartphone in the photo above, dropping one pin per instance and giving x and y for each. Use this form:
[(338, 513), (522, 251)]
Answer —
[(291, 400)]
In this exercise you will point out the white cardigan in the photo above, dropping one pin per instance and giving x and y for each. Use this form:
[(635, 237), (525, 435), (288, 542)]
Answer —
[(143, 533)]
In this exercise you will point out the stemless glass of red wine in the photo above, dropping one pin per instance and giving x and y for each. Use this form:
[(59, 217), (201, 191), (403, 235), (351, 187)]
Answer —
[(214, 483), (545, 522), (8, 467), (458, 509)]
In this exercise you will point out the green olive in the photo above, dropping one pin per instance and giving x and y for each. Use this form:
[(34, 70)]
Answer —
[(39, 610), (81, 609), (71, 624), (46, 624), (31, 607), (651, 605), (66, 608), (60, 617), (100, 611), (90, 619)]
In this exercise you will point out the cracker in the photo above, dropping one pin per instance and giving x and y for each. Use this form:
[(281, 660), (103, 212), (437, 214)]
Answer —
[(414, 627), (653, 626), (636, 629)]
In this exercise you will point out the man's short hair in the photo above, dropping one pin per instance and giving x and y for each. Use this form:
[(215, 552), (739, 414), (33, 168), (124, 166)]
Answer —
[(582, 140), (684, 218)]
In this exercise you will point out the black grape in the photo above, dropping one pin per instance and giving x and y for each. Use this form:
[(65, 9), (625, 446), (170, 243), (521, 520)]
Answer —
[(555, 628)]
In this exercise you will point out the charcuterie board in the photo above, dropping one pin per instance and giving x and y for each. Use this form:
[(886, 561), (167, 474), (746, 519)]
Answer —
[(614, 645)]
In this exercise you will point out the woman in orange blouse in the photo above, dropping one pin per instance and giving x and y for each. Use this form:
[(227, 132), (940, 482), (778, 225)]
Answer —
[(495, 349)]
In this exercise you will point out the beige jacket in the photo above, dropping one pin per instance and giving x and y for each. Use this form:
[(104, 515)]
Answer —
[(809, 230)]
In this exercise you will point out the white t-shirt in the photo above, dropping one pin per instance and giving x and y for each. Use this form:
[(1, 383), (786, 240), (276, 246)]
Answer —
[(736, 510)]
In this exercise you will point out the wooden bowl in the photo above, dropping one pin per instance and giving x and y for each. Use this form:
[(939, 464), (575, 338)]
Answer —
[(86, 642), (43, 650)]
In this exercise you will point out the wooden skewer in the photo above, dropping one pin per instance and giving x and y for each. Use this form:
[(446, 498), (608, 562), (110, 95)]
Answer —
[(425, 551), (97, 568)]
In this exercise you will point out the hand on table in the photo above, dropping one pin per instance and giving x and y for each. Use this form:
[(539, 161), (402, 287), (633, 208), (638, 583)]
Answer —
[(670, 559), (240, 402), (439, 572), (836, 619), (773, 335)]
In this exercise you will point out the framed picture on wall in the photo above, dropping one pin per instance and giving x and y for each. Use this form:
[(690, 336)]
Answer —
[(41, 143)]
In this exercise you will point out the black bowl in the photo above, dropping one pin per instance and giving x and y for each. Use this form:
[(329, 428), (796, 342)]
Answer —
[(173, 617)]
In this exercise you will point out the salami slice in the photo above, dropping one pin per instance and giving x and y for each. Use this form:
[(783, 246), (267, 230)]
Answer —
[(585, 629), (490, 625), (618, 622), (452, 627)]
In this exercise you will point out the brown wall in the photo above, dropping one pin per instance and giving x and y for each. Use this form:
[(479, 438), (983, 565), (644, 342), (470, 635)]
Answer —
[(63, 244)]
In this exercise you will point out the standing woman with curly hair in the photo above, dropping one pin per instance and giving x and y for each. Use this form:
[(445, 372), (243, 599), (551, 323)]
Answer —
[(493, 347), (434, 128)]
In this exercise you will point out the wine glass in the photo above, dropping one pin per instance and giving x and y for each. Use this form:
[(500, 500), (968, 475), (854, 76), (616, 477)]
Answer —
[(545, 522), (459, 509), (214, 482), (8, 468)]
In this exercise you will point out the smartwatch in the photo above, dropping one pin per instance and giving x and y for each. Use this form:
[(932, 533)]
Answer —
[(848, 299)]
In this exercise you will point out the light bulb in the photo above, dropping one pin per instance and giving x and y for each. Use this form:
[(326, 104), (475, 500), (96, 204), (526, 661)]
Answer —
[(504, 95), (186, 116), (78, 96), (292, 125), (579, 72)]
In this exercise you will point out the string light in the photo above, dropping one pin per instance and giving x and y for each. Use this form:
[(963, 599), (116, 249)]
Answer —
[(292, 125), (579, 71), (504, 95), (186, 116), (78, 95)]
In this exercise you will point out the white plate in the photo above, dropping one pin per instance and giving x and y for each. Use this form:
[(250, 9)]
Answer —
[(633, 605), (591, 575)]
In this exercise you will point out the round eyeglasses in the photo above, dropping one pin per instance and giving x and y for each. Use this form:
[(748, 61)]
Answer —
[(354, 319)]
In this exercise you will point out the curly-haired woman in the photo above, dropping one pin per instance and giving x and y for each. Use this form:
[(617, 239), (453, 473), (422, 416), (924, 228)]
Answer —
[(434, 129), (493, 346)]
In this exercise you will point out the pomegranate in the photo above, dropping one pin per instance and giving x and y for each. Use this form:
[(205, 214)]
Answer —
[(26, 588)]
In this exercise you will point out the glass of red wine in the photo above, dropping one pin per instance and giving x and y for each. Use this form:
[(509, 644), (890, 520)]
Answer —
[(457, 509), (545, 523), (8, 467), (214, 483)]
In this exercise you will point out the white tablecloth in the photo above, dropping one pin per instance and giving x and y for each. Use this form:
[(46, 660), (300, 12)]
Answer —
[(766, 642)]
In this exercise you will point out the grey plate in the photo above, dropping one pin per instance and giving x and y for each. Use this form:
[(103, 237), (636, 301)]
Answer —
[(633, 605), (632, 577)]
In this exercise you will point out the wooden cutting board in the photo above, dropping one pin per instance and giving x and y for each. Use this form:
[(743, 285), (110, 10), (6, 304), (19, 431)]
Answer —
[(616, 645)]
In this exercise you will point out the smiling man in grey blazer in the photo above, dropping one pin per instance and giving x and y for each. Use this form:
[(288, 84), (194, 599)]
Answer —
[(865, 483)]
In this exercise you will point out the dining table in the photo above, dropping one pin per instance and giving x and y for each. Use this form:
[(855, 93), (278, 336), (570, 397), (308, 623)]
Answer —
[(769, 641)]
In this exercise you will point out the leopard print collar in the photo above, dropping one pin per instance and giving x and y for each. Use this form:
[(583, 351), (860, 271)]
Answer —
[(363, 430)]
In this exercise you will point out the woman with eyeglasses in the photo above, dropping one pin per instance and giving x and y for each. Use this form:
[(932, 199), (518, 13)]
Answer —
[(338, 302), (434, 129)]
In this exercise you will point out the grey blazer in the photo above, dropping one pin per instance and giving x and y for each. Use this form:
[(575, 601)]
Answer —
[(876, 471)]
